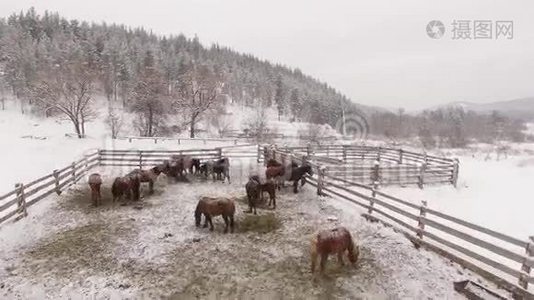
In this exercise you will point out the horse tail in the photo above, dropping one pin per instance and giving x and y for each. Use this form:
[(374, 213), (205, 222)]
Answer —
[(313, 252)]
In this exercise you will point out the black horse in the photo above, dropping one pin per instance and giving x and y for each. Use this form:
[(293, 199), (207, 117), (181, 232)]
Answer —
[(298, 174)]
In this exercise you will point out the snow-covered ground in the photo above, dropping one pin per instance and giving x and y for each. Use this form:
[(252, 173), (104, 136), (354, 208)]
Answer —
[(71, 250)]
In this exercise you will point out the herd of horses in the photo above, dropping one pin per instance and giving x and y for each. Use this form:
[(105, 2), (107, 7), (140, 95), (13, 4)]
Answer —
[(333, 241)]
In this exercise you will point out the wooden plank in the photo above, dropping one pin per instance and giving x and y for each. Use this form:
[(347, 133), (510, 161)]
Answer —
[(8, 204), (40, 197), (38, 180), (467, 252), (29, 192), (346, 197), (11, 193), (484, 230), (414, 206), (348, 182), (476, 241), (8, 215)]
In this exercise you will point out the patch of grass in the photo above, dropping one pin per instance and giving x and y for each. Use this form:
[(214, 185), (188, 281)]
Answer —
[(88, 246), (263, 223)]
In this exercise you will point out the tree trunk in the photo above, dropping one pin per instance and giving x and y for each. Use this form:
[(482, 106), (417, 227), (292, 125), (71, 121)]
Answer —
[(192, 126), (150, 122)]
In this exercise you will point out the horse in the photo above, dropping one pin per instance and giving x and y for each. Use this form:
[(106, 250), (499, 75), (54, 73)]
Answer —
[(127, 185), (195, 162), (150, 176), (221, 167), (178, 165), (95, 181), (276, 173), (253, 189), (333, 241), (273, 163), (269, 186), (212, 207), (298, 174)]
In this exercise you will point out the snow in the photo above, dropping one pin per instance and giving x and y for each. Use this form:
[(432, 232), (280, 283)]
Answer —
[(134, 255)]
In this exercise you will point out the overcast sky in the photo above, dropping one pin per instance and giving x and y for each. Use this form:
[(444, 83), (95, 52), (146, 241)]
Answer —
[(376, 52)]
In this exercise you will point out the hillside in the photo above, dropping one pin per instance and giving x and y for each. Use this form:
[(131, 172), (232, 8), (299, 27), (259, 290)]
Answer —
[(522, 108), (36, 47)]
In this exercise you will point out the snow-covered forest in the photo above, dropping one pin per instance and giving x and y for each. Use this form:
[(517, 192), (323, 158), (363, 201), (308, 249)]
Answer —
[(60, 66)]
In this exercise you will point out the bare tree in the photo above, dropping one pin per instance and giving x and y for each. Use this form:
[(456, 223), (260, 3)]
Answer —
[(114, 122), (256, 126), (67, 89), (314, 133), (197, 92)]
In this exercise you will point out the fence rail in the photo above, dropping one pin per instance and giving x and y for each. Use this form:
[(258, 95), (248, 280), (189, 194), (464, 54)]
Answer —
[(492, 254), (387, 166)]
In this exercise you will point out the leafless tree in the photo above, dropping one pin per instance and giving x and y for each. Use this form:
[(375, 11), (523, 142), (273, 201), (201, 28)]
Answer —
[(198, 90), (67, 89), (314, 133), (114, 122), (256, 126)]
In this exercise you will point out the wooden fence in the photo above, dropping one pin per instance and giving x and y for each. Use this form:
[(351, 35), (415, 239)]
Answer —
[(16, 202), (491, 254), (385, 166), (179, 141)]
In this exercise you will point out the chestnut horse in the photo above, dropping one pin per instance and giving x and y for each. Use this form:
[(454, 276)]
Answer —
[(211, 207), (333, 241), (95, 181), (150, 175), (127, 185)]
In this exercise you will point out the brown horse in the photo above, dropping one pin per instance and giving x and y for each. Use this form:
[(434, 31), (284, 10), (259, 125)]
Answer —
[(276, 173), (221, 169), (150, 176), (212, 207), (127, 185), (95, 181), (178, 166), (269, 186), (333, 241), (253, 189)]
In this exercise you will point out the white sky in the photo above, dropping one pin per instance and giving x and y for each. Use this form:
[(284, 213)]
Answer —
[(376, 52)]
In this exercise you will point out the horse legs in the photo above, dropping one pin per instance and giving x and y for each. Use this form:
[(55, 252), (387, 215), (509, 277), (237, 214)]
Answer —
[(151, 186), (227, 175), (210, 221), (249, 203), (226, 223), (272, 196), (324, 258), (295, 186), (340, 257), (205, 221), (231, 217)]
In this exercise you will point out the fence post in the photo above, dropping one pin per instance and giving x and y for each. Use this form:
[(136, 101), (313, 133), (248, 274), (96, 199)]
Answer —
[(204, 140), (525, 268), (219, 153), (178, 141), (235, 142), (420, 221), (258, 158), (130, 140), (265, 155), (99, 155), (140, 159), (455, 170), (344, 147), (421, 177), (320, 180), (372, 199), (400, 156), (73, 167), (308, 149), (56, 177), (375, 175), (155, 140), (328, 151), (86, 161), (379, 153), (21, 202)]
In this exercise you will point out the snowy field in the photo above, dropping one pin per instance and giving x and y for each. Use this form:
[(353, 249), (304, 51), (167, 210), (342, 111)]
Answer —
[(68, 249)]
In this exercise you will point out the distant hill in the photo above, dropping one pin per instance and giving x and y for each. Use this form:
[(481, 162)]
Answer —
[(522, 108)]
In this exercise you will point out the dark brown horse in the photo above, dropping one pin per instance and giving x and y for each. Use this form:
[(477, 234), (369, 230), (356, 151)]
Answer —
[(333, 241), (297, 174), (178, 166), (150, 175), (253, 189), (269, 186), (128, 185), (211, 207), (95, 181), (221, 169)]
